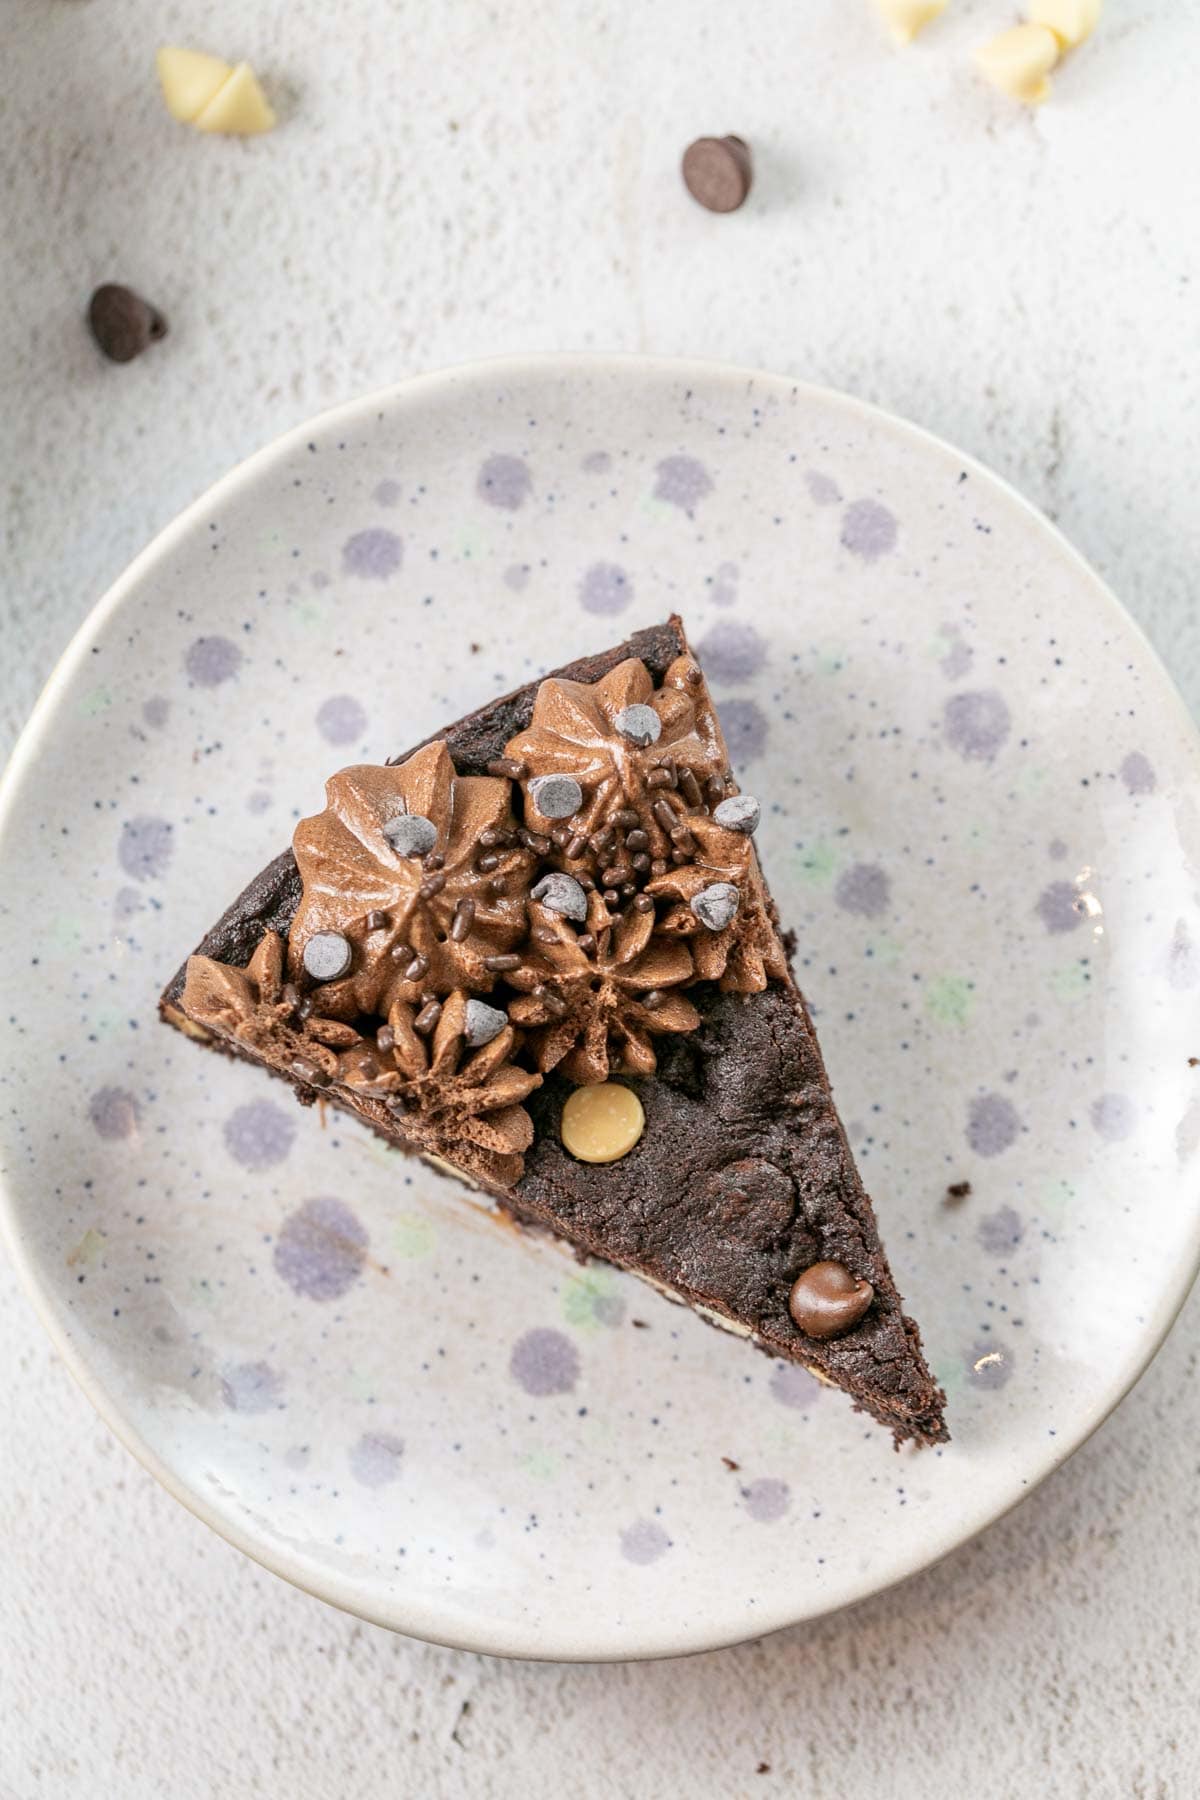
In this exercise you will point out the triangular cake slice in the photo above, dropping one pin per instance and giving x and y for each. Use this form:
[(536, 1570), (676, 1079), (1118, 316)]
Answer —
[(539, 950)]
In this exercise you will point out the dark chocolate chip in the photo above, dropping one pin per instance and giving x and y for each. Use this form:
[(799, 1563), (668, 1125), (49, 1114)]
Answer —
[(483, 1023), (486, 864), (377, 921), (741, 812), (556, 796), (637, 840), (576, 847), (418, 967), (562, 894), (643, 903), (827, 1300), (385, 1037), (327, 956), (640, 724), (410, 834), (122, 323), (716, 905), (717, 172)]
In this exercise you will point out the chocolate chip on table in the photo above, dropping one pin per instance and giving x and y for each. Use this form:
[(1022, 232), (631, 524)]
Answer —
[(717, 172), (122, 323), (827, 1300), (958, 1190)]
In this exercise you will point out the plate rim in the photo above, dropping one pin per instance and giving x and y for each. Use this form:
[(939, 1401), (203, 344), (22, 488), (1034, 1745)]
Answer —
[(420, 1620)]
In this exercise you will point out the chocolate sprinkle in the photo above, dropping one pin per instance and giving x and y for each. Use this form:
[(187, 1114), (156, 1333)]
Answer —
[(464, 918), (305, 1070), (500, 965), (689, 787), (428, 1017), (376, 921)]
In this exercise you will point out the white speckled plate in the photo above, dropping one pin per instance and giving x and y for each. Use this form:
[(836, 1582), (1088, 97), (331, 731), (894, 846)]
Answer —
[(981, 822)]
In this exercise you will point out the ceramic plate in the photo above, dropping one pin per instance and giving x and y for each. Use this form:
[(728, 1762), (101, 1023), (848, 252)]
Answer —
[(982, 825)]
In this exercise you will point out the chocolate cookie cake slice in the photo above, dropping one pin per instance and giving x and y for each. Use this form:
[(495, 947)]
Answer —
[(539, 951)]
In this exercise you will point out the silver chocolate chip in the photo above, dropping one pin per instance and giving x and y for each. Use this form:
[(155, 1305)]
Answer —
[(716, 905), (640, 724), (562, 894), (556, 796), (483, 1023), (741, 812), (327, 956), (410, 834)]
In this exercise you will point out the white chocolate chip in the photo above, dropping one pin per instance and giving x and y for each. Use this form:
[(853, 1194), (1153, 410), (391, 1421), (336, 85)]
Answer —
[(189, 79), (239, 107), (1070, 20), (904, 18), (1018, 62), (601, 1124)]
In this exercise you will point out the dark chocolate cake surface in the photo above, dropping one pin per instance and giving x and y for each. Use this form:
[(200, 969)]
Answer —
[(740, 1197)]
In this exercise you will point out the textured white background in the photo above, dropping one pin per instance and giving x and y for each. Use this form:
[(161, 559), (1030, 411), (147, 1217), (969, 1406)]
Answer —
[(452, 179)]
